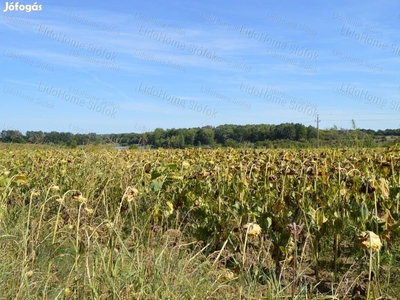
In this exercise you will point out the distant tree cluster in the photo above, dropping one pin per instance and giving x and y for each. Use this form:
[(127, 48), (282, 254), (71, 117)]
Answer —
[(262, 135), (53, 137)]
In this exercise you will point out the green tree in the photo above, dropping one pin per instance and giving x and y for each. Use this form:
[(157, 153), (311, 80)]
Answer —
[(301, 131), (230, 143), (159, 137), (12, 136), (311, 132), (35, 137), (189, 135), (285, 131), (205, 136)]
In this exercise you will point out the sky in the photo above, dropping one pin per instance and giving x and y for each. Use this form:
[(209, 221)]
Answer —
[(133, 66)]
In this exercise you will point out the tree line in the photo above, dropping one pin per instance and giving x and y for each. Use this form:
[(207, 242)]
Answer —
[(228, 135)]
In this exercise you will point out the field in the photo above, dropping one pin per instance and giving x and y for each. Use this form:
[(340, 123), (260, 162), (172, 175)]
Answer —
[(97, 223)]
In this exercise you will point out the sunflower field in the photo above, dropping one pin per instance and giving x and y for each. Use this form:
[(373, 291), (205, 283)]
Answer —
[(99, 223)]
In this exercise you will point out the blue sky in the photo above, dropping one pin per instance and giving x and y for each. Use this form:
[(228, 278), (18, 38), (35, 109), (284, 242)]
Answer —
[(112, 67)]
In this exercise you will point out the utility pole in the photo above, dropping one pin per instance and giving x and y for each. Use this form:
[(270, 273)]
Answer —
[(318, 120)]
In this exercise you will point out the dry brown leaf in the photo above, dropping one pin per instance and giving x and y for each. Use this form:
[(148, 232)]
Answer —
[(369, 240)]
